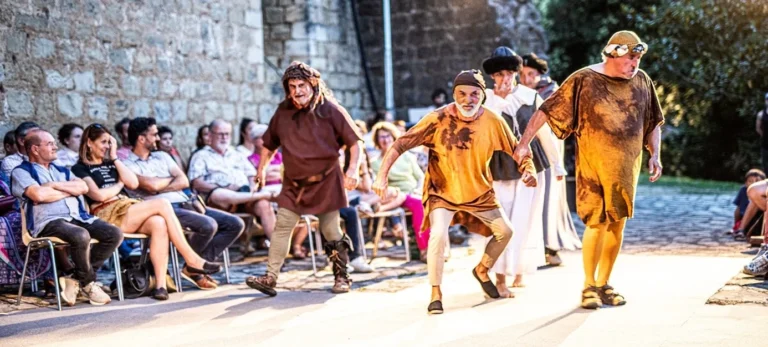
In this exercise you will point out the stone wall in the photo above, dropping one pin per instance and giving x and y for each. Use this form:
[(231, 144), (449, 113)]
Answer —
[(184, 62), (432, 40)]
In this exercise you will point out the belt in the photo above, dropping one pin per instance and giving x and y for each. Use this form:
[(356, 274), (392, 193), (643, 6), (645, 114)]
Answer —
[(308, 181)]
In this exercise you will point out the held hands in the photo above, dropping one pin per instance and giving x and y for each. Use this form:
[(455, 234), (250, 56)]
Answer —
[(529, 179), (351, 179), (521, 153), (654, 167)]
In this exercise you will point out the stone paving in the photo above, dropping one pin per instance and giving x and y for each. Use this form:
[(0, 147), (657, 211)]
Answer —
[(668, 221)]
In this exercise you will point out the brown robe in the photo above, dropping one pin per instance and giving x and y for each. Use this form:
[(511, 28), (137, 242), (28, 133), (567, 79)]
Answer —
[(310, 143), (612, 119), (458, 176)]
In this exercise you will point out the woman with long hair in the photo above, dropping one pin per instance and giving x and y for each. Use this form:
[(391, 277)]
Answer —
[(246, 145), (69, 136), (107, 177)]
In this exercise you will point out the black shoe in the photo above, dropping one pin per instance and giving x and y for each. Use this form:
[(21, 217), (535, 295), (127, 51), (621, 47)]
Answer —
[(160, 294), (208, 269), (435, 307), (264, 284), (488, 287)]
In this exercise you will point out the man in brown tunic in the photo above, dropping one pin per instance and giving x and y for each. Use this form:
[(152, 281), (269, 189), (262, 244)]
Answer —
[(613, 110), (461, 138), (311, 128)]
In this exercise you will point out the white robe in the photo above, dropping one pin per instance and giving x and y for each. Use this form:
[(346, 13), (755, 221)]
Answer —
[(523, 205), (559, 231)]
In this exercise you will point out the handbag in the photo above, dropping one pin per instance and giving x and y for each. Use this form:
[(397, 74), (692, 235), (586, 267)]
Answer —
[(7, 204)]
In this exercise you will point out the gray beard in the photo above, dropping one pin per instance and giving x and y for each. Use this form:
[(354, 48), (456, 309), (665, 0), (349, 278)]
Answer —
[(468, 114)]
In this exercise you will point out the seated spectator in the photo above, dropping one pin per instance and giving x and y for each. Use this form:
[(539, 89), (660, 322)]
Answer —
[(400, 125), (69, 137), (245, 146), (439, 98), (51, 198), (13, 250), (9, 143), (165, 144), (350, 215), (107, 179), (273, 185), (208, 230), (405, 175), (743, 215), (203, 139), (225, 178), (121, 128), (12, 161)]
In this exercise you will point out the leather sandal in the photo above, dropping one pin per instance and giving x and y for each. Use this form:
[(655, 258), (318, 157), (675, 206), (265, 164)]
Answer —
[(610, 297), (488, 287), (264, 284), (590, 299)]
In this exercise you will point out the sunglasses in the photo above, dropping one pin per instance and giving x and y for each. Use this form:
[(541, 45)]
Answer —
[(615, 50)]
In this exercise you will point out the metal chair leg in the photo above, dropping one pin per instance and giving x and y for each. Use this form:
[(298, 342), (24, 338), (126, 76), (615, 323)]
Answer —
[(361, 235), (311, 244), (55, 275), (174, 266), (24, 274), (175, 257), (118, 275), (405, 238), (225, 255)]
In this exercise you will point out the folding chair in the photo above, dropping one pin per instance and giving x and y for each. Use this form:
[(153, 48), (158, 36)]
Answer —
[(51, 242), (379, 218)]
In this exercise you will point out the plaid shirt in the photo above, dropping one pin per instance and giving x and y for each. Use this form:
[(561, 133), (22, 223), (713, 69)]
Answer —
[(222, 170)]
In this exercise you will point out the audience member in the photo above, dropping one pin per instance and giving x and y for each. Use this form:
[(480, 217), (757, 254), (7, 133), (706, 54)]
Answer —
[(121, 128), (12, 161), (439, 98), (165, 144), (209, 231), (69, 137), (9, 143), (52, 201), (746, 210), (245, 146)]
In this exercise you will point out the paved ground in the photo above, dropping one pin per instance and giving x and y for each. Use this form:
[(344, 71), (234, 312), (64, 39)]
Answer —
[(675, 258)]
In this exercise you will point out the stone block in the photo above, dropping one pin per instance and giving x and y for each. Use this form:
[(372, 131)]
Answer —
[(169, 88), (228, 112), (162, 111), (189, 47), (265, 112), (246, 93), (16, 41), (70, 52), (299, 30), (83, 32), (217, 12), (204, 91), (19, 103), (255, 55), (107, 34), (273, 15), (237, 16), (36, 23), (122, 108), (95, 55), (256, 4), (144, 61), (114, 12), (131, 85), (70, 104), (212, 111), (98, 107), (84, 82), (43, 48), (179, 111), (122, 57), (141, 108), (280, 32), (196, 112), (156, 40), (188, 89), (108, 84), (235, 71), (55, 80), (295, 13), (193, 68), (62, 28), (164, 65), (233, 92), (151, 86), (253, 18)]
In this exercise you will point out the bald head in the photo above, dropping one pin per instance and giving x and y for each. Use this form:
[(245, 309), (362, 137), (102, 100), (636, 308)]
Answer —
[(41, 146), (33, 138)]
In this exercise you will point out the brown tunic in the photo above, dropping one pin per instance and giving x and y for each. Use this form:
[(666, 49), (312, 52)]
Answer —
[(612, 119), (310, 143), (458, 177)]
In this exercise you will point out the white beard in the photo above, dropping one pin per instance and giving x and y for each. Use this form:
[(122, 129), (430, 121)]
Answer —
[(468, 114)]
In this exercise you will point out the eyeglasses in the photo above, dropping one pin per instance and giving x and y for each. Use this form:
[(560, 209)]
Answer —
[(222, 135)]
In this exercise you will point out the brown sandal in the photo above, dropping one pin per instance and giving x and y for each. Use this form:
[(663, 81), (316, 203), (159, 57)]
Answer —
[(590, 299), (610, 297)]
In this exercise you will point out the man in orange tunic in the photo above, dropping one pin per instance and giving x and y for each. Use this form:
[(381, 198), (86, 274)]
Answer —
[(613, 110), (461, 138)]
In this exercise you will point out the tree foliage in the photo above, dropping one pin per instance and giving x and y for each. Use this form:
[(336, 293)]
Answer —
[(709, 59)]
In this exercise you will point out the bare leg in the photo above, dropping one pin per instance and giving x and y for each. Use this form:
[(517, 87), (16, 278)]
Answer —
[(139, 213), (518, 283), (225, 198), (155, 228), (436, 293), (394, 203), (300, 233), (501, 286)]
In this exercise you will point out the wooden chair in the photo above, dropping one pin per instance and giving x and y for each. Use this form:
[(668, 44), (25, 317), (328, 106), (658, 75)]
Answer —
[(378, 218)]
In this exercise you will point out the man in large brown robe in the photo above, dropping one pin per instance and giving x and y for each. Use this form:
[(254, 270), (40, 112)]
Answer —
[(311, 128), (613, 110)]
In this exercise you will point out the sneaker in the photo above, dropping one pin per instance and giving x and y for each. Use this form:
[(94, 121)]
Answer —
[(758, 266), (69, 290), (761, 251), (95, 294), (360, 266)]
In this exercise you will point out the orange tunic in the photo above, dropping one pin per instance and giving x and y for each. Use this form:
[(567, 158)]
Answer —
[(458, 177), (612, 119)]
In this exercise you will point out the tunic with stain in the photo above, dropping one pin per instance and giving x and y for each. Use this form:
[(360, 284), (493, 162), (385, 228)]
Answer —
[(458, 177), (612, 119)]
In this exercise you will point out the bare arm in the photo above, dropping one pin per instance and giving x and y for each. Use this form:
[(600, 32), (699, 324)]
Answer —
[(202, 186), (127, 177), (177, 182), (537, 121), (43, 194), (265, 157), (355, 152), (154, 184), (654, 146), (76, 187), (102, 194), (380, 186)]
